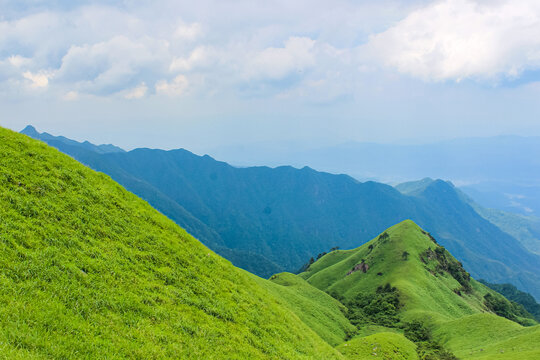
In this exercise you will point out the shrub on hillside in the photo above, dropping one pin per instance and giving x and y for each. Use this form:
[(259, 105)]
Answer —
[(507, 309), (427, 348), (445, 263), (522, 298), (416, 332), (380, 308)]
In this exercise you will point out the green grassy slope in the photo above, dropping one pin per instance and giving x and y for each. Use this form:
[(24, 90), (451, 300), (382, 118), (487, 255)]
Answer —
[(486, 336), (385, 345), (322, 313), (452, 308), (423, 293), (88, 270)]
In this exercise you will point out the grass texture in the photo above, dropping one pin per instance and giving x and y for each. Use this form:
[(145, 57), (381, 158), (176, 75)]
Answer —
[(90, 271)]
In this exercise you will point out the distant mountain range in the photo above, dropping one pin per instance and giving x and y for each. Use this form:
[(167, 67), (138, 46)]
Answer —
[(100, 149), (268, 219), (500, 172), (515, 197), (525, 229)]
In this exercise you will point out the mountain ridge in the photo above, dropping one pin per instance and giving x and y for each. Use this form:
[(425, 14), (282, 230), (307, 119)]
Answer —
[(100, 149)]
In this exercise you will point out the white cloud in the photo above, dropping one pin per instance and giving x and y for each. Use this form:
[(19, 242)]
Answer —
[(188, 31), (38, 80), (113, 65), (70, 96), (459, 39), (19, 61), (200, 56), (104, 48), (174, 88), (100, 50), (137, 92), (276, 63)]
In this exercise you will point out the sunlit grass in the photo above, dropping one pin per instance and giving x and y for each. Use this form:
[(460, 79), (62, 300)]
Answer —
[(88, 270), (460, 322)]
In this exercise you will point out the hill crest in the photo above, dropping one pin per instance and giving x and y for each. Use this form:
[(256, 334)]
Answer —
[(431, 282)]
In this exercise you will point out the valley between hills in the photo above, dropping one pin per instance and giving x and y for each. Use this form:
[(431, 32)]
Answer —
[(90, 270)]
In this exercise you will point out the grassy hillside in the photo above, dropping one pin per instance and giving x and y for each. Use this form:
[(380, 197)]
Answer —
[(384, 345), (422, 291), (427, 296), (89, 270), (288, 215), (322, 313), (486, 336)]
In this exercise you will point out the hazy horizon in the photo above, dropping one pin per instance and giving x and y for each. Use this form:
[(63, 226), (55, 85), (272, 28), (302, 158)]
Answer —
[(285, 144)]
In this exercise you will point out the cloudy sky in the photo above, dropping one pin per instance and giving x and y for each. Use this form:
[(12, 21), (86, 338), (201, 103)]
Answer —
[(204, 74)]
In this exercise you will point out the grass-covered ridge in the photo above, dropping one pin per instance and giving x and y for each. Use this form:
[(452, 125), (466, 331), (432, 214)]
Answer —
[(384, 345), (88, 270), (486, 336), (396, 257), (403, 281), (322, 313), (429, 281)]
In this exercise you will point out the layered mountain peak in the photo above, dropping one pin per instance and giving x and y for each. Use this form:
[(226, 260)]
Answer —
[(430, 281), (404, 282), (415, 188), (30, 131)]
